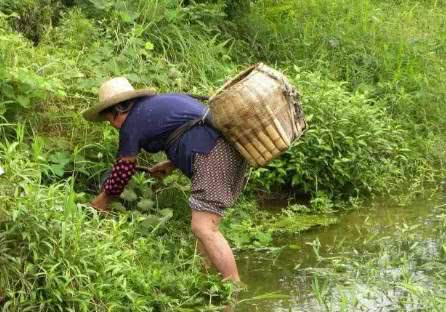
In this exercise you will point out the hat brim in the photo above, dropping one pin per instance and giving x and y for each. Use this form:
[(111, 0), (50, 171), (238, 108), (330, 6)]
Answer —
[(94, 113)]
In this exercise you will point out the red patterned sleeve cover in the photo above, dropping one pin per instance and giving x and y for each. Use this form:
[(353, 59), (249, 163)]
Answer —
[(122, 172)]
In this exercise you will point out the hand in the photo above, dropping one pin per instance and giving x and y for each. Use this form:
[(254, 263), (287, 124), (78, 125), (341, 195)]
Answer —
[(162, 169), (100, 203)]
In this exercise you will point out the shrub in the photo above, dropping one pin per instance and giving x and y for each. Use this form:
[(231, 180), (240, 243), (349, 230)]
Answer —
[(21, 79), (59, 255), (352, 146), (32, 17), (395, 51)]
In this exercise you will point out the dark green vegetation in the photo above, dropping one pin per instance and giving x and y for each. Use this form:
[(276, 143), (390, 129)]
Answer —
[(372, 76)]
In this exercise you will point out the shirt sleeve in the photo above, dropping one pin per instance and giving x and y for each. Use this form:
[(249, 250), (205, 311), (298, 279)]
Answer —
[(129, 142), (122, 172)]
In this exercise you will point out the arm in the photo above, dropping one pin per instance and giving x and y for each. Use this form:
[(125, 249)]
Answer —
[(162, 169), (122, 172)]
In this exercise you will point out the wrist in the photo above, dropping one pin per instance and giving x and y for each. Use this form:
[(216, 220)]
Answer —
[(104, 196)]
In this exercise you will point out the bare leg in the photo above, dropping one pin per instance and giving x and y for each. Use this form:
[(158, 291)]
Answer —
[(205, 228), (205, 257)]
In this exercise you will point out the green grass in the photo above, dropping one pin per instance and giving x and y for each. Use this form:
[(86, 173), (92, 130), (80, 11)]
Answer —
[(384, 59), (58, 254), (372, 76), (394, 51)]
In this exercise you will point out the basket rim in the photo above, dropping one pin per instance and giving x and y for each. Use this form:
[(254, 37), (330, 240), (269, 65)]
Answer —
[(238, 78)]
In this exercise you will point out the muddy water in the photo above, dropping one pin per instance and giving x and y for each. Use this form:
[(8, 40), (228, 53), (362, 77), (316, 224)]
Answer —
[(286, 272)]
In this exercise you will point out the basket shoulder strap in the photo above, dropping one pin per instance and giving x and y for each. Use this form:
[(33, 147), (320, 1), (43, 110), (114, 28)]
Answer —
[(199, 97), (178, 132)]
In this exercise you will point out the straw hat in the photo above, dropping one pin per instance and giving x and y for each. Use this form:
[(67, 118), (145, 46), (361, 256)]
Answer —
[(112, 92)]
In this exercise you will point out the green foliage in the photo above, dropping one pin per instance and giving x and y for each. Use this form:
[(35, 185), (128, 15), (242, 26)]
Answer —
[(373, 84), (188, 48), (394, 51), (153, 42), (351, 147), (236, 8), (58, 254), (139, 198), (21, 82), (247, 227), (32, 17)]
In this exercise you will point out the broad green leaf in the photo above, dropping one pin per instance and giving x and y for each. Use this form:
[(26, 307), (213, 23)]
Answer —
[(23, 101), (149, 46), (117, 206), (145, 204), (167, 212), (150, 222), (128, 195)]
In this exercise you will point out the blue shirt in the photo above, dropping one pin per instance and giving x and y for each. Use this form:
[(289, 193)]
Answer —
[(153, 118)]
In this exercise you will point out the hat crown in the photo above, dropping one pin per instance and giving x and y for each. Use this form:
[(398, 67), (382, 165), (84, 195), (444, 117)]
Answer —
[(114, 87), (112, 92)]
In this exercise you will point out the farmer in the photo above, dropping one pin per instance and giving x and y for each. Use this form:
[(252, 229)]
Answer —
[(151, 122)]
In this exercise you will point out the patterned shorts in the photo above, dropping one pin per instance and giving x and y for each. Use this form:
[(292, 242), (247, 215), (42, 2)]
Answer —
[(217, 178)]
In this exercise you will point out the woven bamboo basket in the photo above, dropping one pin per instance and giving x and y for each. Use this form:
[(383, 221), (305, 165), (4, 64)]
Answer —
[(259, 111)]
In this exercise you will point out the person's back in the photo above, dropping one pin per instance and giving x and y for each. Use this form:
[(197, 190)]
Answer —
[(152, 119)]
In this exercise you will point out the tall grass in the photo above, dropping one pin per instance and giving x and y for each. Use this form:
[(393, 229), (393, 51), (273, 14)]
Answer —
[(372, 74), (59, 255), (352, 147), (388, 57), (395, 51)]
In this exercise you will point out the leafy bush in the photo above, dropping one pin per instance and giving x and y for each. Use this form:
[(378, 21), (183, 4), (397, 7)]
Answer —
[(376, 122), (160, 43), (32, 17), (395, 51), (21, 82), (352, 146), (58, 254)]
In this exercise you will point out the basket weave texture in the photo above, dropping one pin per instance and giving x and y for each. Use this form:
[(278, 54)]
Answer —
[(259, 111)]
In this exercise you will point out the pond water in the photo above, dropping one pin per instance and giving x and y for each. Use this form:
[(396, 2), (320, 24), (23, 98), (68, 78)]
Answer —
[(290, 272)]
